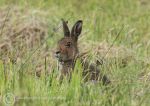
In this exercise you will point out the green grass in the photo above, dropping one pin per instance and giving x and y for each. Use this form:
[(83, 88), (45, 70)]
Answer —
[(102, 20)]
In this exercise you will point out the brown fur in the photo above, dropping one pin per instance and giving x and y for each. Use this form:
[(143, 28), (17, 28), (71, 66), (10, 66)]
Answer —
[(67, 53)]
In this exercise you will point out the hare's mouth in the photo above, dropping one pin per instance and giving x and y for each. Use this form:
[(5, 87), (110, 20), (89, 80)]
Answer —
[(59, 58), (63, 59)]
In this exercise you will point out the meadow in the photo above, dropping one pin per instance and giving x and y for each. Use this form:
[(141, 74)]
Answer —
[(30, 29)]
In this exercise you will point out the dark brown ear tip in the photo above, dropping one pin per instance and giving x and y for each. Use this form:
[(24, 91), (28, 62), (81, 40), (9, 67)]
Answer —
[(64, 20), (80, 21)]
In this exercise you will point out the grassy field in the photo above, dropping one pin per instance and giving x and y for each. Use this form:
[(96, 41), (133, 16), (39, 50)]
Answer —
[(30, 29)]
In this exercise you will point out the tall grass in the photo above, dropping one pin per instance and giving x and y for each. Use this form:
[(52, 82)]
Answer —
[(102, 21)]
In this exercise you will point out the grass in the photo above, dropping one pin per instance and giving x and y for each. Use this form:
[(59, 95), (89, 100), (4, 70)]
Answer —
[(127, 64)]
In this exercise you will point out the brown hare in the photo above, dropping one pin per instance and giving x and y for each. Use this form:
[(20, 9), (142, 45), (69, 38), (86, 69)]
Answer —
[(67, 54)]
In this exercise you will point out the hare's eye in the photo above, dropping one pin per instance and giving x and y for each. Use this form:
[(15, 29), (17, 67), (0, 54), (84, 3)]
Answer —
[(68, 44)]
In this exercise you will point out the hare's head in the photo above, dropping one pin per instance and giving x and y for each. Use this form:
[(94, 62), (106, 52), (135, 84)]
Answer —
[(67, 48)]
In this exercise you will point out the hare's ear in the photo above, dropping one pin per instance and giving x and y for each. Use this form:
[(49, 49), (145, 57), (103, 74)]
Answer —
[(65, 28), (76, 30)]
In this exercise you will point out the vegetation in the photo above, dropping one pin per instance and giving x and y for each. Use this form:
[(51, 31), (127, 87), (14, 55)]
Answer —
[(30, 29)]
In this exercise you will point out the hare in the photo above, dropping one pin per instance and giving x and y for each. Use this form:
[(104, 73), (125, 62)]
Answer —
[(67, 52)]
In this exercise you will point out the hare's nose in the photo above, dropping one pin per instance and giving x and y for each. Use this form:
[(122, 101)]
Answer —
[(57, 52)]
